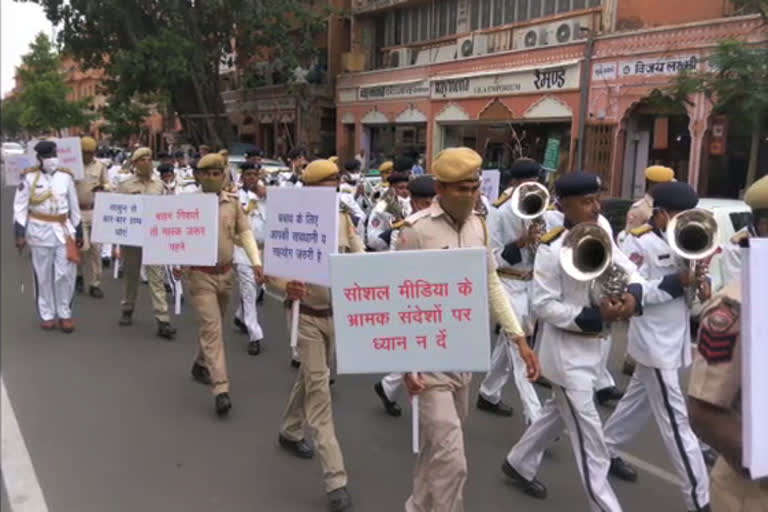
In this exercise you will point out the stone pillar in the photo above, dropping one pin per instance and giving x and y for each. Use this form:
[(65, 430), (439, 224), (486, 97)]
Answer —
[(698, 123)]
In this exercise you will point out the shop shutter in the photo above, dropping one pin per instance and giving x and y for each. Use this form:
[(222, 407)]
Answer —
[(598, 149)]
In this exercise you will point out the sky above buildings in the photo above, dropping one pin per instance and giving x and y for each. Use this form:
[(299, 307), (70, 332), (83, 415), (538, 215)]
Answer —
[(21, 22)]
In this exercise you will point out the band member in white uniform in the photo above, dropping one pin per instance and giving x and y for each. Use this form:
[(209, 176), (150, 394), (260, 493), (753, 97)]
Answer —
[(393, 207), (570, 352), (422, 191), (246, 317), (46, 216), (513, 241), (659, 342)]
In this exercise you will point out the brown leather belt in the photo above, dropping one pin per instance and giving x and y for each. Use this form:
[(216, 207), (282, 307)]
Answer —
[(86, 207), (215, 270), (48, 218), (519, 275), (310, 311)]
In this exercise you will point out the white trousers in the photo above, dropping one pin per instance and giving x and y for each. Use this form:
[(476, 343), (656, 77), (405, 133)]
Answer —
[(392, 385), (246, 310), (55, 279), (604, 377), (505, 359), (575, 411), (657, 392)]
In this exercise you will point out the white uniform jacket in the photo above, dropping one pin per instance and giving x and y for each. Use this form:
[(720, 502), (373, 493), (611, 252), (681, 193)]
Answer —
[(380, 225), (660, 337), (49, 195)]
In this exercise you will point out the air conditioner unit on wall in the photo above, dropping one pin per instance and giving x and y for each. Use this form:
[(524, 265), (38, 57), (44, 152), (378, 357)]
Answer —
[(400, 57), (471, 46), (550, 34)]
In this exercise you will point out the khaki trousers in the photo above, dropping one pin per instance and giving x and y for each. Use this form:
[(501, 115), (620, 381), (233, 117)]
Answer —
[(155, 275), (209, 295), (90, 258), (441, 466), (731, 492), (310, 399)]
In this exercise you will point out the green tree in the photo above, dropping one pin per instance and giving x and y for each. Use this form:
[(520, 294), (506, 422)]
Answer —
[(752, 6), (44, 106), (175, 47), (125, 118), (736, 83), (10, 120)]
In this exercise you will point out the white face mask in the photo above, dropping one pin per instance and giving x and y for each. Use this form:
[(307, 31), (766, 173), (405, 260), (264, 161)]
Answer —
[(50, 164), (354, 177)]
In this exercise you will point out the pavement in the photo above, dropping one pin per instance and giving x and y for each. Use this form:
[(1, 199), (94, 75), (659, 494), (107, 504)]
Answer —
[(112, 422)]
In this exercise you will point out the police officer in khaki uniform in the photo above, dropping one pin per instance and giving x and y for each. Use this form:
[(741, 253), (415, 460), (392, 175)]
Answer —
[(209, 288), (310, 399), (96, 179), (715, 385), (451, 222), (143, 182)]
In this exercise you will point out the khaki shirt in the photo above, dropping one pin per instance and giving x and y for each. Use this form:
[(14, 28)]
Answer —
[(134, 185), (639, 213), (96, 175), (716, 380), (232, 222)]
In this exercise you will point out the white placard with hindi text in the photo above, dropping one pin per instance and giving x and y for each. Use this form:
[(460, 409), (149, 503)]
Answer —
[(181, 230), (411, 311), (754, 326), (490, 184), (118, 219), (301, 232), (14, 165)]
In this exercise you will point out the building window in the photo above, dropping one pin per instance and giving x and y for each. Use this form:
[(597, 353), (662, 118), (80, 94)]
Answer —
[(424, 22), (485, 13), (452, 14), (563, 5), (579, 4), (498, 13), (549, 7), (534, 10), (474, 14), (522, 10)]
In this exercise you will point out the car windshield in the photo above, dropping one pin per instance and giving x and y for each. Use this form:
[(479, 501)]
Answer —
[(12, 145), (740, 219)]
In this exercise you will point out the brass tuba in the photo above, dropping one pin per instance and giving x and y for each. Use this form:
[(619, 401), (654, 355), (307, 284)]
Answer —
[(586, 255), (693, 235), (529, 201), (393, 206)]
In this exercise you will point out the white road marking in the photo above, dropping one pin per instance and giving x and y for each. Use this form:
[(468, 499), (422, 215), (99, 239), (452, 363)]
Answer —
[(656, 471), (19, 477)]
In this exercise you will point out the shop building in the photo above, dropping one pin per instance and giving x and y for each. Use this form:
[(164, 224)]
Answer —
[(512, 77)]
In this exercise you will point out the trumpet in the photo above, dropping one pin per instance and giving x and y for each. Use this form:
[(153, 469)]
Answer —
[(530, 201), (586, 255), (693, 235)]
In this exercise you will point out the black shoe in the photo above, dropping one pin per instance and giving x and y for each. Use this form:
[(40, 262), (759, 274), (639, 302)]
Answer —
[(200, 374), (705, 508), (299, 448), (339, 500), (240, 325), (260, 299), (223, 404), (607, 397), (126, 318), (622, 470), (168, 288), (532, 487), (96, 292), (331, 381), (628, 368), (710, 457), (389, 405), (165, 330), (79, 284), (500, 408), (543, 382), (120, 273), (254, 347), (106, 262), (295, 363)]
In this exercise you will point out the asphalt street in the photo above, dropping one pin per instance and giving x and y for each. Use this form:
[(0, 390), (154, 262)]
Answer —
[(113, 422)]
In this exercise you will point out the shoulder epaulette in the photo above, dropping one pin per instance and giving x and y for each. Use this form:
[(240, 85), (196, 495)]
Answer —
[(415, 217), (503, 198), (640, 231), (401, 224), (552, 207), (552, 235), (739, 236), (30, 169), (65, 170)]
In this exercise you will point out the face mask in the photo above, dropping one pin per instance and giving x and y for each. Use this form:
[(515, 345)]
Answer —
[(50, 164), (405, 201), (211, 185), (144, 169), (459, 208), (354, 177)]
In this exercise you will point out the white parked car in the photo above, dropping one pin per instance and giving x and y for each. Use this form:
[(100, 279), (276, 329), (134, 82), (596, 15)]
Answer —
[(12, 148), (731, 216)]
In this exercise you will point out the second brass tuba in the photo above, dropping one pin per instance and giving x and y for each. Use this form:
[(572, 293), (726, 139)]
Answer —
[(529, 202), (693, 235)]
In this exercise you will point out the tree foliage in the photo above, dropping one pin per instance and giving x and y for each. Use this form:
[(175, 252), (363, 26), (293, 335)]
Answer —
[(736, 83), (10, 120), (175, 47), (42, 105), (752, 6)]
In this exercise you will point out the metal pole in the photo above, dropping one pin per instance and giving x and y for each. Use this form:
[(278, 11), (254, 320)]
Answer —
[(584, 101)]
